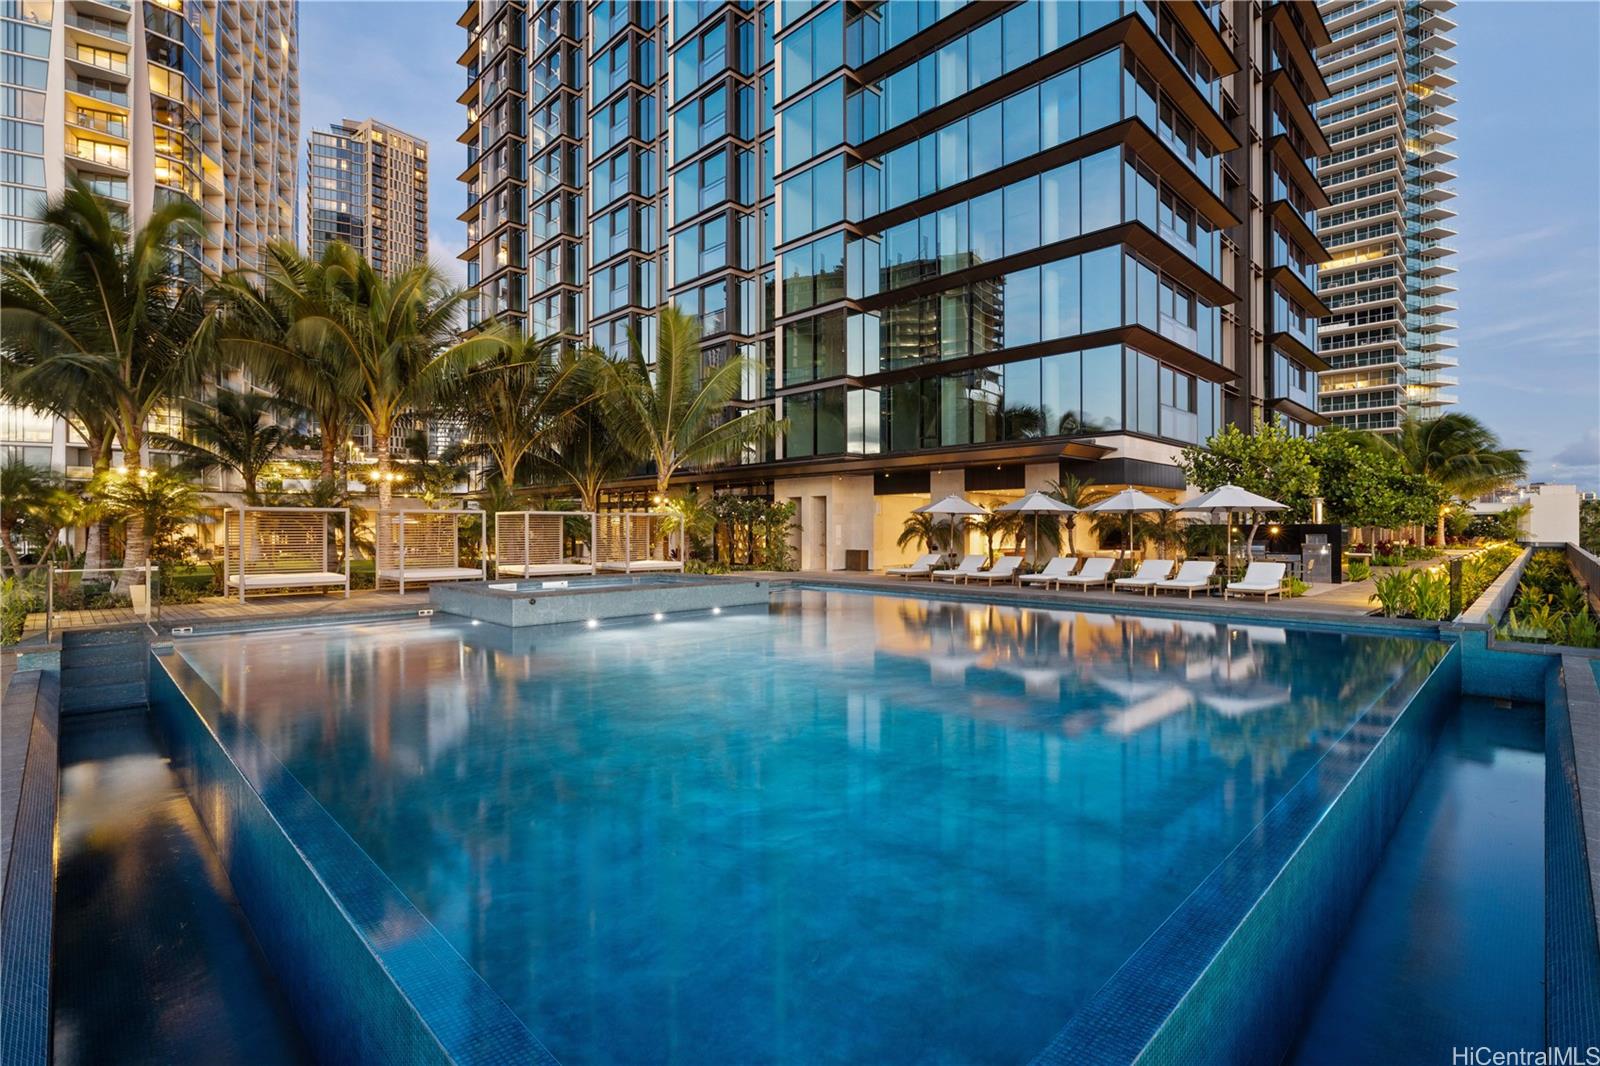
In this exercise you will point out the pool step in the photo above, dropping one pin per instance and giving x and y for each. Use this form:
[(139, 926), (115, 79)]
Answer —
[(104, 669)]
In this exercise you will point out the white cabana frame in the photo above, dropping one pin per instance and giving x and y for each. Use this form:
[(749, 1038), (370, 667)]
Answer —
[(282, 548), (423, 547), (636, 542), (532, 543)]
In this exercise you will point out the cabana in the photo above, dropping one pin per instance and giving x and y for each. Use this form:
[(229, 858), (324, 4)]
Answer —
[(422, 547), (533, 544), (636, 542), (283, 549)]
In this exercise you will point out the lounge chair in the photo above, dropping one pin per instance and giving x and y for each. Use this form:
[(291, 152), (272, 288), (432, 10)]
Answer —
[(923, 567), (1263, 579), (968, 567), (1053, 572), (1150, 571), (1004, 569), (1192, 577), (1095, 572)]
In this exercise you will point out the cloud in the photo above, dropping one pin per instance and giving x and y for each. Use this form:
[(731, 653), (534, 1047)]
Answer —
[(442, 254), (1583, 452)]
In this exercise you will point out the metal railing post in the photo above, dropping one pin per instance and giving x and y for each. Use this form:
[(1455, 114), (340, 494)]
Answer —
[(1455, 587), (49, 599)]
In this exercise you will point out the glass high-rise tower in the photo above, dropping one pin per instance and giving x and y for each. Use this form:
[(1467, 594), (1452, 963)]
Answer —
[(367, 185), (1387, 174), (147, 101), (971, 247)]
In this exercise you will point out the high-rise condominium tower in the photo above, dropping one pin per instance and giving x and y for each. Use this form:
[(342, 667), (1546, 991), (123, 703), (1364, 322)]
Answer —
[(1386, 173), (970, 246), (367, 185), (147, 101)]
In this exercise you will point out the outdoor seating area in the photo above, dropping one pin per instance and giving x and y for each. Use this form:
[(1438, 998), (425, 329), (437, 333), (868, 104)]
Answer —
[(534, 544), (284, 549), (424, 547), (636, 542)]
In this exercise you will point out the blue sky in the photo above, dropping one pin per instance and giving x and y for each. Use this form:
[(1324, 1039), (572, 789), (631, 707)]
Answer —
[(1528, 211)]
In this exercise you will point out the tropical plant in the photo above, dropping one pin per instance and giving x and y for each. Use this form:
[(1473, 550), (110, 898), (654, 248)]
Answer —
[(1074, 492), (1267, 461), (16, 603), (1589, 526), (254, 320), (1394, 593), (397, 338), (33, 503), (686, 515), (1363, 482), (1357, 570), (1458, 454), (996, 526), (1430, 594), (926, 531), (235, 431), (514, 402), (432, 478), (108, 311), (584, 455), (676, 411), (155, 504)]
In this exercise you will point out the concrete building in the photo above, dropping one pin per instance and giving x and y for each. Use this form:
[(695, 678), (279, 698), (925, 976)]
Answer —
[(1552, 515), (1387, 174), (968, 247), (191, 99), (367, 185)]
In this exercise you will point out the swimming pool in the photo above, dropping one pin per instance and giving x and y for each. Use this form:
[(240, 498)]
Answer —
[(845, 827)]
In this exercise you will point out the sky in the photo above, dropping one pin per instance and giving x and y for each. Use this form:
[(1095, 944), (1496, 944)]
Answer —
[(1528, 203)]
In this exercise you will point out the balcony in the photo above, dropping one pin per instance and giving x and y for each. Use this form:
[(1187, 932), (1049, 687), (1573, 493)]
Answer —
[(1437, 361)]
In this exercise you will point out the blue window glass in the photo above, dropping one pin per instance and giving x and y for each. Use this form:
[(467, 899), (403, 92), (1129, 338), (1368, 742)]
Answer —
[(1102, 388), (1022, 124), (952, 154), (951, 62), (1022, 308), (988, 227), (1058, 24), (900, 176), (1061, 399), (1058, 109), (984, 53), (1022, 413), (1022, 216), (812, 50), (1022, 34), (1058, 299), (1058, 206), (1102, 289), (1101, 81), (1102, 190), (984, 136)]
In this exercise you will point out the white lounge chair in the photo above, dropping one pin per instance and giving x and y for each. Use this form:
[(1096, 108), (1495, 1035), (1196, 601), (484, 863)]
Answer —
[(1004, 569), (1260, 579), (1095, 571), (1150, 571), (1053, 572), (1193, 576), (968, 567), (923, 567)]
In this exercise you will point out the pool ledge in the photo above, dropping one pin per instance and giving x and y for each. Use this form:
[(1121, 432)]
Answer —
[(1229, 975), (368, 976)]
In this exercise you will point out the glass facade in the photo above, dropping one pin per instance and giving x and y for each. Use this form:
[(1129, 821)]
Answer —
[(367, 185), (1387, 222), (929, 225)]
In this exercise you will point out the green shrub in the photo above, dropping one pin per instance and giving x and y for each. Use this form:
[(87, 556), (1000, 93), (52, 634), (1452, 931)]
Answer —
[(1394, 593), (15, 605), (1295, 587), (1430, 595), (1551, 606), (1357, 570), (701, 566)]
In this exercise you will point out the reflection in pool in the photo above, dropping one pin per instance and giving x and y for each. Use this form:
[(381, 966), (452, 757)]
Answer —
[(848, 827)]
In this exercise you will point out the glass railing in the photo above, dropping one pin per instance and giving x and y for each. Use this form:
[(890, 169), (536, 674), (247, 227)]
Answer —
[(115, 127), (103, 28)]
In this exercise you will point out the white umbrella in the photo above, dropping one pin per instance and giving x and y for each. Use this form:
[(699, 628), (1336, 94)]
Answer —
[(1133, 502), (1036, 504), (1231, 498), (952, 506)]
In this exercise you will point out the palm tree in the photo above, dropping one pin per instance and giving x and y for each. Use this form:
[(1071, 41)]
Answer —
[(1459, 454), (996, 525), (154, 503), (926, 530), (585, 455), (109, 313), (676, 412), (236, 431), (1074, 492), (254, 321), (522, 397), (31, 499), (395, 337)]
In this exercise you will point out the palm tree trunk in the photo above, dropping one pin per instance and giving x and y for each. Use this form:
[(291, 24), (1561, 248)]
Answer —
[(137, 552), (380, 445), (1441, 527), (11, 552), (330, 455), (95, 538)]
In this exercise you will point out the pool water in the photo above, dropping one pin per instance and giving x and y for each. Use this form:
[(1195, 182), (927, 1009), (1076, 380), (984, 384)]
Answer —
[(848, 827)]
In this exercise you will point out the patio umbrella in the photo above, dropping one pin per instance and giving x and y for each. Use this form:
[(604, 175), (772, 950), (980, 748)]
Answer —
[(1231, 498), (953, 507), (1036, 504), (1131, 501)]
